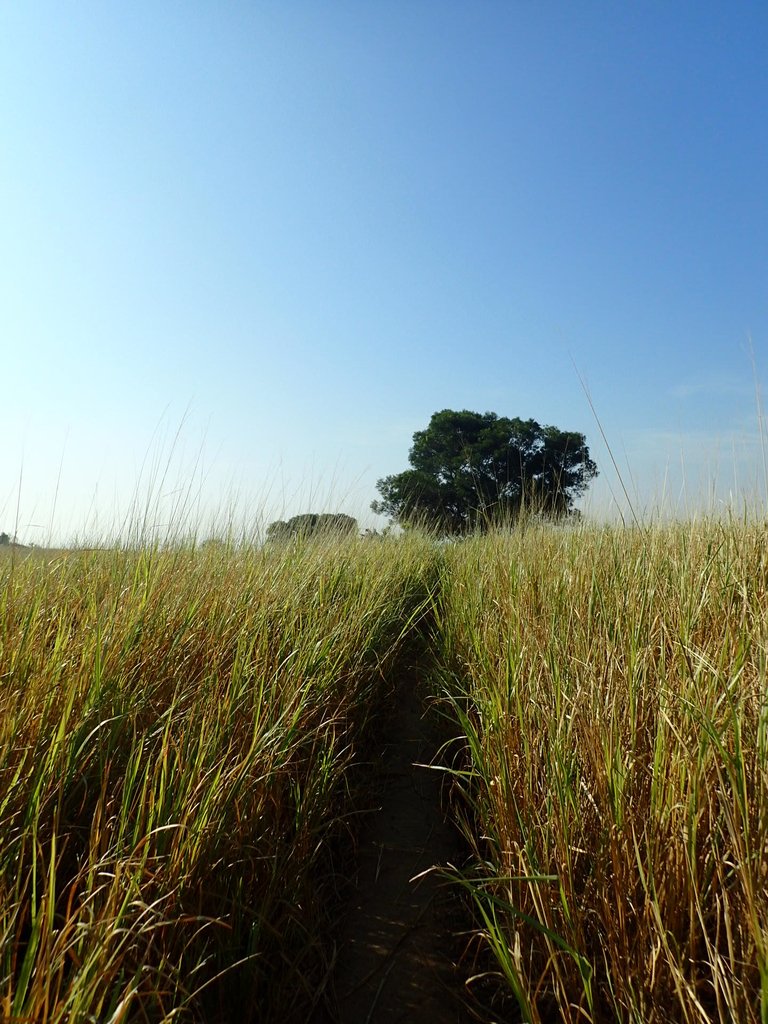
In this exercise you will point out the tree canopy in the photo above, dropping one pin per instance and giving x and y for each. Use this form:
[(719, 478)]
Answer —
[(469, 470), (312, 524)]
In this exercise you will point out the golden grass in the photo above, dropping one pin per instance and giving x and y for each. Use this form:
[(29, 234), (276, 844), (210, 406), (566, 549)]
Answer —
[(178, 728), (175, 732), (611, 687)]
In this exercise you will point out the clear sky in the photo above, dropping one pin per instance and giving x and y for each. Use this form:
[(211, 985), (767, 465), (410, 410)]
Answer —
[(257, 245)]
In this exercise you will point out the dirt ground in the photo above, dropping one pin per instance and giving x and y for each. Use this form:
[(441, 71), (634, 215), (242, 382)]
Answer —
[(398, 941)]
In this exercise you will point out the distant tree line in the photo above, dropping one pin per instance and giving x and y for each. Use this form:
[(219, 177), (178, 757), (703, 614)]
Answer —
[(312, 524)]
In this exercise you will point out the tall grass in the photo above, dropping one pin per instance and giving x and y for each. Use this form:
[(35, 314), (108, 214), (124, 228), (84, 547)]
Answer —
[(611, 689), (176, 729)]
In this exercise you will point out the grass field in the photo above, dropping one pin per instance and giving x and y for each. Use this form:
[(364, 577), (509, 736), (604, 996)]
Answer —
[(611, 686), (179, 731), (176, 730)]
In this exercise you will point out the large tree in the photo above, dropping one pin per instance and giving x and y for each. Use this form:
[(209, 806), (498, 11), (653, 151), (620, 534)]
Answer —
[(469, 470)]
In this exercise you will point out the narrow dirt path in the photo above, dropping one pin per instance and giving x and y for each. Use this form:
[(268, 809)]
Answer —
[(395, 954)]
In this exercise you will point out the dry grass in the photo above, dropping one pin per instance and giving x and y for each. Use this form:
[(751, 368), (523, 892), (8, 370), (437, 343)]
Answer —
[(611, 687), (175, 732), (177, 729)]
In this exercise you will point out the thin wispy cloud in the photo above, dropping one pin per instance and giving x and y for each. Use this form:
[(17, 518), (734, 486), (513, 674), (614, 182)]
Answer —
[(681, 472), (694, 389), (650, 440)]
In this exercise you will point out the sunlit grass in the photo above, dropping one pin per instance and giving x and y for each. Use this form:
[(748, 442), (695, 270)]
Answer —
[(179, 727), (611, 688), (175, 732)]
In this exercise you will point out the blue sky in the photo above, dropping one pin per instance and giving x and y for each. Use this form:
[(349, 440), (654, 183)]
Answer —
[(249, 249)]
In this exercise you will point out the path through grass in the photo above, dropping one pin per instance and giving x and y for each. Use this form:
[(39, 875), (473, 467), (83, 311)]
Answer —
[(398, 944)]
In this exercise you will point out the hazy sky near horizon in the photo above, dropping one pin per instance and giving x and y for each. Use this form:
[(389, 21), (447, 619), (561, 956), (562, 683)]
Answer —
[(250, 248)]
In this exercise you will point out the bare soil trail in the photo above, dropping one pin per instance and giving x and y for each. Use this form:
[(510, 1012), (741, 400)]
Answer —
[(398, 942)]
